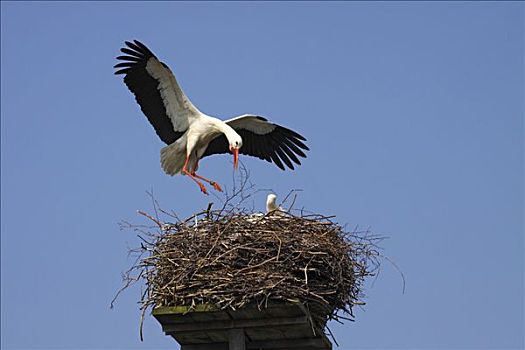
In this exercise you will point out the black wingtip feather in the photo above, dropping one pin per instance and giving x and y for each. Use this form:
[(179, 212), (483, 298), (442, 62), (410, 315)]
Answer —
[(139, 48), (143, 47), (131, 52), (129, 58), (298, 143), (122, 71), (125, 64), (293, 133), (290, 153), (277, 161), (136, 56), (132, 46), (284, 158), (294, 148)]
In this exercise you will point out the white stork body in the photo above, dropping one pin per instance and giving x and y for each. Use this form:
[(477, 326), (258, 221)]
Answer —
[(193, 143), (191, 134), (272, 207)]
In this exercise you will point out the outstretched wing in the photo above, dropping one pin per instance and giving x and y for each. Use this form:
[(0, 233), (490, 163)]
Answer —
[(156, 91), (263, 140)]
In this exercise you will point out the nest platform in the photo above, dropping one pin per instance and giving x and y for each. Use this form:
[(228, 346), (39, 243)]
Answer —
[(278, 326)]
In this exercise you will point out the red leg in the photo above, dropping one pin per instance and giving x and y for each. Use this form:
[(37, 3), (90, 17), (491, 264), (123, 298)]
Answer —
[(213, 183), (186, 172)]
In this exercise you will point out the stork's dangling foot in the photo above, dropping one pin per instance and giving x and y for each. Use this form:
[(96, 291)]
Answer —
[(213, 183), (202, 187), (216, 186)]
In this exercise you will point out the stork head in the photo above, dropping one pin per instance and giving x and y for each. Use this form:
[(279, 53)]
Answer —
[(235, 145)]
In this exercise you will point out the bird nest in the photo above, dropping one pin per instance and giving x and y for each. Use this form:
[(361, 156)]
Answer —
[(231, 259)]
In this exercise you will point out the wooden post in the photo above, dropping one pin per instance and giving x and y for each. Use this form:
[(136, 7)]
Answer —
[(277, 326), (236, 339)]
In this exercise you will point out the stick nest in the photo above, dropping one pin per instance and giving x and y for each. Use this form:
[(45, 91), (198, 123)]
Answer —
[(232, 259)]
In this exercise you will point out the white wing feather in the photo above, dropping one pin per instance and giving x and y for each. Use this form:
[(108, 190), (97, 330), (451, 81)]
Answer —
[(178, 107), (251, 123)]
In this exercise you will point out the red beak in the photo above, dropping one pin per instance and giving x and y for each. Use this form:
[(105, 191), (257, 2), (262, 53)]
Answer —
[(235, 152)]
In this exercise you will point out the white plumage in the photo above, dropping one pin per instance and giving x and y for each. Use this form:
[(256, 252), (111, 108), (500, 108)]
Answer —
[(190, 134), (271, 206)]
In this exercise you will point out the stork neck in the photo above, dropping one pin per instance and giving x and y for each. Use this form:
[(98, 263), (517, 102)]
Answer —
[(227, 131)]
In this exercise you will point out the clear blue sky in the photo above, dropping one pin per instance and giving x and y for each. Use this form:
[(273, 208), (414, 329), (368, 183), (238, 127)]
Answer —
[(414, 116)]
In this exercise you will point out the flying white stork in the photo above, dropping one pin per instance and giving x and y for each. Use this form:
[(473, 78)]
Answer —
[(191, 134)]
